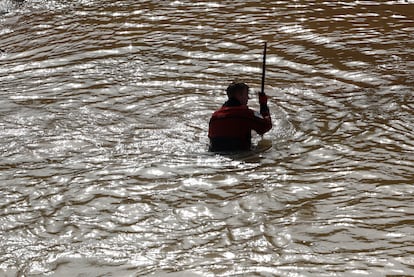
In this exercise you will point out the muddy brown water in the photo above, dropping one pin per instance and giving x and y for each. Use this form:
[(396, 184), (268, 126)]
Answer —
[(104, 112)]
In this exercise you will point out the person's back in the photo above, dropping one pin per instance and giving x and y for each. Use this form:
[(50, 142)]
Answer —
[(230, 127)]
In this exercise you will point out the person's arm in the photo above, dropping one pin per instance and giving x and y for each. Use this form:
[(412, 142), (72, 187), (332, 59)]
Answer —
[(262, 122), (264, 109)]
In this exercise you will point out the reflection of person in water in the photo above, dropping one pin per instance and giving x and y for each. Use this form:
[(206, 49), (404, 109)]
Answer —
[(230, 127)]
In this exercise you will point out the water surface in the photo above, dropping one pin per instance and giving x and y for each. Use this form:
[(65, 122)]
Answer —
[(104, 112)]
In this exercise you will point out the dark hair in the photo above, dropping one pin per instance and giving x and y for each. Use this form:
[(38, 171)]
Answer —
[(236, 87)]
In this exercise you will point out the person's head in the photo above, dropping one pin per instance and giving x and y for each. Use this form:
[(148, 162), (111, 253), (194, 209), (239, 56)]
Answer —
[(239, 91)]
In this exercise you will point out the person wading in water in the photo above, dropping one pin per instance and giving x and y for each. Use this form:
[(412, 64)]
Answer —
[(230, 127)]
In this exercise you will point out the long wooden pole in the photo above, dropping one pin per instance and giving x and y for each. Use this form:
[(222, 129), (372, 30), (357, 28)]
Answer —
[(263, 68)]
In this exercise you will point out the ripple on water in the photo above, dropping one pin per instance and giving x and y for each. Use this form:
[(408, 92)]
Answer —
[(103, 134)]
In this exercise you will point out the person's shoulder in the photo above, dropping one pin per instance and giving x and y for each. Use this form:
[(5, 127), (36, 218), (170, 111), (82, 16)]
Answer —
[(220, 112), (228, 111)]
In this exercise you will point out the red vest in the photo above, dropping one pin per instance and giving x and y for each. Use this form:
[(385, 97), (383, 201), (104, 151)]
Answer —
[(230, 127)]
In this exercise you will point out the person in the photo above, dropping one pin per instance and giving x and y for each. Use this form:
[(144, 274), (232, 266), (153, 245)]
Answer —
[(230, 127)]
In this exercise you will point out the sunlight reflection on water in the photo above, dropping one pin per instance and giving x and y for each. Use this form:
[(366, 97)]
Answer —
[(104, 115)]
